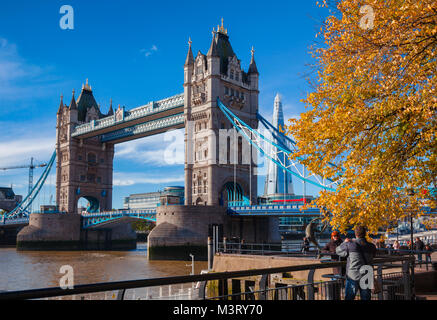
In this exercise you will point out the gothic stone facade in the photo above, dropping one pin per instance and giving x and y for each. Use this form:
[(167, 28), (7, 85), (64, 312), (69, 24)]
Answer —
[(206, 77), (84, 167)]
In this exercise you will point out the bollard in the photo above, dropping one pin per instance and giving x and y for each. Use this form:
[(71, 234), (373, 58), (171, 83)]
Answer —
[(210, 254)]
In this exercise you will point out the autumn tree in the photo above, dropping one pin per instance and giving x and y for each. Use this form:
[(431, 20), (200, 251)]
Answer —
[(372, 111)]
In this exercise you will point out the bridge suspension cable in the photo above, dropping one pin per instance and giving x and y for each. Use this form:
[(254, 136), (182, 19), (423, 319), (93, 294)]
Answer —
[(22, 209), (282, 151)]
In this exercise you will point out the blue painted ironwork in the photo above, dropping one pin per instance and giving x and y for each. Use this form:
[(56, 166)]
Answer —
[(94, 219), (257, 140), (21, 211)]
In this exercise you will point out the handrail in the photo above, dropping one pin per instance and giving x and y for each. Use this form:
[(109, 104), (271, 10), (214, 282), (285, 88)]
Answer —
[(131, 284)]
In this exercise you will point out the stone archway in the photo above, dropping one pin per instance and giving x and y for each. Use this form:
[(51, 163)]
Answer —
[(232, 194), (92, 206)]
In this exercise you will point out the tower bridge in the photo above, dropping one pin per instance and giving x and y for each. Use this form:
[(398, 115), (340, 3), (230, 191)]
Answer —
[(220, 177)]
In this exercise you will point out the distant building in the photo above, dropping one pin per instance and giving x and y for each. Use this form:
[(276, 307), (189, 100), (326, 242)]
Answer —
[(278, 181), (151, 200), (278, 187), (8, 199)]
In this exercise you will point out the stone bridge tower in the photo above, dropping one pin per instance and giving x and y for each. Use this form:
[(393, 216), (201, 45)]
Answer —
[(84, 167), (218, 164)]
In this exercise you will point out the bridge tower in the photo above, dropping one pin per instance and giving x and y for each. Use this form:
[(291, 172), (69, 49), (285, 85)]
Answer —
[(84, 166), (219, 165)]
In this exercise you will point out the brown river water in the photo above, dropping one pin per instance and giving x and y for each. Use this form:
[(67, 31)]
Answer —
[(23, 270)]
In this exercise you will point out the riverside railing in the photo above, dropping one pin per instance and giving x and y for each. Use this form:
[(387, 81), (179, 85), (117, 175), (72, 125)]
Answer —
[(295, 250), (258, 284)]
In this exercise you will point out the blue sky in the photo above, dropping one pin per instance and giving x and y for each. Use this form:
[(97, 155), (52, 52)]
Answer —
[(133, 52)]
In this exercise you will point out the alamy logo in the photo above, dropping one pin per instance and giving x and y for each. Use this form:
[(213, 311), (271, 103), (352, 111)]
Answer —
[(366, 280), (67, 20), (67, 280)]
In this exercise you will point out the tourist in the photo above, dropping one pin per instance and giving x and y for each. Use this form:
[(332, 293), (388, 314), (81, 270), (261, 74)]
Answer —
[(330, 247), (305, 245), (419, 246), (428, 250), (396, 245), (358, 253)]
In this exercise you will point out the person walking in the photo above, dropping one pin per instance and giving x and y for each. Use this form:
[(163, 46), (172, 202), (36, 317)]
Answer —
[(396, 245), (428, 250), (358, 252), (419, 246)]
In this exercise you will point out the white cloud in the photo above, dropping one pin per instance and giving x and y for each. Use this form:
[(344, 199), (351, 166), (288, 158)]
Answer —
[(124, 179), (148, 52), (19, 152), (160, 150)]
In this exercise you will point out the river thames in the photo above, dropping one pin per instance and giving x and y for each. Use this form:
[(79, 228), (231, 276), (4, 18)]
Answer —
[(23, 270)]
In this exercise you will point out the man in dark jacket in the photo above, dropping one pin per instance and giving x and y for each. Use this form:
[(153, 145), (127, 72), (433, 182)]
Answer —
[(358, 253), (419, 246)]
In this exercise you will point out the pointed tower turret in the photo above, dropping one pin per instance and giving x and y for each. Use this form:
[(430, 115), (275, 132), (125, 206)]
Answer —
[(190, 59), (61, 105), (111, 111), (253, 73), (73, 104), (252, 67), (212, 52), (85, 102)]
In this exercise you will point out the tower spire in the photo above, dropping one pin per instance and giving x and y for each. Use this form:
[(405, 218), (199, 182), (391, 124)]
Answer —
[(213, 47), (190, 59), (73, 105), (61, 105), (111, 111), (252, 66), (222, 29)]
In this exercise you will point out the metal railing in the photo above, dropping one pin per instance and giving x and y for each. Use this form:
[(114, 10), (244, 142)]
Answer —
[(290, 249), (259, 284)]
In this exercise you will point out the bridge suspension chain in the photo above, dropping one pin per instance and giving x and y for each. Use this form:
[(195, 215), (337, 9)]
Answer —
[(280, 153), (22, 209)]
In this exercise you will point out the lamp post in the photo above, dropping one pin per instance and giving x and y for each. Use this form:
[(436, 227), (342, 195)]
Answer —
[(411, 193)]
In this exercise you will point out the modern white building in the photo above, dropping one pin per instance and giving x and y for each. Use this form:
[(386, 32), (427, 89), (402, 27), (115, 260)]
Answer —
[(151, 200)]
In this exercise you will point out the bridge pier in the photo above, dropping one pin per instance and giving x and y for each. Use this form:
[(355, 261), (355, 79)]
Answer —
[(181, 230), (61, 231), (50, 231)]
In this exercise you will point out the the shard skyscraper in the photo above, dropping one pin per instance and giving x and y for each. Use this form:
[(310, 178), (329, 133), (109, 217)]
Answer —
[(278, 181)]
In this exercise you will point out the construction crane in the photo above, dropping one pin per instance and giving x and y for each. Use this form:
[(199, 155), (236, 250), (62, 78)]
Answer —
[(31, 167)]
